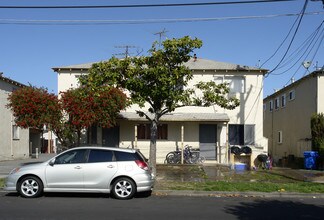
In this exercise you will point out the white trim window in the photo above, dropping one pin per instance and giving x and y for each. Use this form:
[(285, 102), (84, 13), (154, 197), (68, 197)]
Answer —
[(236, 84), (271, 106), (15, 132), (283, 100), (276, 104), (292, 95), (279, 137)]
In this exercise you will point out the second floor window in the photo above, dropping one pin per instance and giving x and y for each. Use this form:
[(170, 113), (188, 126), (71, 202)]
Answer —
[(283, 100), (276, 103), (271, 106), (292, 95), (235, 83)]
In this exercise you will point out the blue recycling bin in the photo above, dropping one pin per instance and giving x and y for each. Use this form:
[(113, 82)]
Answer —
[(310, 159)]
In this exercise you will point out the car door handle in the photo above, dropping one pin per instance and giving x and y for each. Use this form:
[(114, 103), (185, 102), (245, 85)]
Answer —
[(77, 167), (110, 166)]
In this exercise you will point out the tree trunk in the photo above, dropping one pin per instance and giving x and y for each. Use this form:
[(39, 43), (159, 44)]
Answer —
[(152, 159)]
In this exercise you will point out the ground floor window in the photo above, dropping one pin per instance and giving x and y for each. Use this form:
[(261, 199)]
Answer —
[(144, 131), (241, 134), (15, 132)]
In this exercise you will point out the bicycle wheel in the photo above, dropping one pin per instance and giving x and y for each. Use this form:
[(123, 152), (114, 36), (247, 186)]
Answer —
[(201, 159), (194, 157), (172, 158)]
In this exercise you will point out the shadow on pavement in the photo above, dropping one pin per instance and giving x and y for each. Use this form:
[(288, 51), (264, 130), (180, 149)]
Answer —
[(275, 209)]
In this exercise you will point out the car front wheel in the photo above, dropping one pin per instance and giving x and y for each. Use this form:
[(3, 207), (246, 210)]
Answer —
[(123, 188), (30, 187)]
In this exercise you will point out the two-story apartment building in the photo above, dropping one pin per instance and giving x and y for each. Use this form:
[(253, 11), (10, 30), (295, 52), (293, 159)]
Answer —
[(15, 142), (287, 116), (211, 129)]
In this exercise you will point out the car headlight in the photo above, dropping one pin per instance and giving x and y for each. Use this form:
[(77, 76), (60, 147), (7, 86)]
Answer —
[(14, 170)]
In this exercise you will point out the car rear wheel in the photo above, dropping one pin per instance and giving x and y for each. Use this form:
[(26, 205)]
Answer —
[(30, 187), (123, 188)]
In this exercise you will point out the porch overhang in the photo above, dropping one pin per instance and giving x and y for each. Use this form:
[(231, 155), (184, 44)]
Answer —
[(180, 117)]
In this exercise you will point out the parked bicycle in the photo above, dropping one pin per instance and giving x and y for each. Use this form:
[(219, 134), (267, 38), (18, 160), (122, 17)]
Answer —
[(190, 156)]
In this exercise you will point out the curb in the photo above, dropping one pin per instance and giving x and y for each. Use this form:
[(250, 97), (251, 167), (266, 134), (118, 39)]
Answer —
[(220, 194), (237, 194)]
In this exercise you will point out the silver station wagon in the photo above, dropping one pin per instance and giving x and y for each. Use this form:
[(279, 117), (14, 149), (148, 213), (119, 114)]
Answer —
[(121, 172)]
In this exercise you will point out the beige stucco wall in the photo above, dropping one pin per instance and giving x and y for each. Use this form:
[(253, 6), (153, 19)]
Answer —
[(67, 79), (249, 112), (320, 100), (191, 137), (293, 119), (9, 148)]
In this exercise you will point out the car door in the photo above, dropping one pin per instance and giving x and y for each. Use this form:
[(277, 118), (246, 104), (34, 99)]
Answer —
[(99, 170), (67, 170)]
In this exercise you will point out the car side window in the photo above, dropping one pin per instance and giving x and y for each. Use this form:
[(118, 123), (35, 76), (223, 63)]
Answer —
[(74, 156), (97, 156), (124, 156)]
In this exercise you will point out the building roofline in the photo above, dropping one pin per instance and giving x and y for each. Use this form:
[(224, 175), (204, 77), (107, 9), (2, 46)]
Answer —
[(13, 82), (312, 74), (193, 64)]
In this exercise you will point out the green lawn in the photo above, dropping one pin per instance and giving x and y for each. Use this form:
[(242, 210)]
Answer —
[(258, 181), (301, 187)]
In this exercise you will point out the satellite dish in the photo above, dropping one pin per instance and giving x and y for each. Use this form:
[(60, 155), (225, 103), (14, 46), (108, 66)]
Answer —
[(307, 64)]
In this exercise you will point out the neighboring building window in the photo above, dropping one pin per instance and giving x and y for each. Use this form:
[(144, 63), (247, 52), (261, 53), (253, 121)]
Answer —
[(280, 137), (283, 100), (144, 131), (264, 107), (271, 106), (241, 134), (276, 104), (15, 132), (291, 95)]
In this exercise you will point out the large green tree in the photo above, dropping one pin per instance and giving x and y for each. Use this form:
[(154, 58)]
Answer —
[(317, 130), (77, 109), (158, 82)]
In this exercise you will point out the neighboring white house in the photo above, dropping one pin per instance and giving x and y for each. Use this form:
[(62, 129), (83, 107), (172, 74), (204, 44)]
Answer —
[(15, 142), (287, 116), (207, 128)]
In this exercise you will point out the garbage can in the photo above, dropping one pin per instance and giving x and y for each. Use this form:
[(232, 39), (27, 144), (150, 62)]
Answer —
[(310, 159)]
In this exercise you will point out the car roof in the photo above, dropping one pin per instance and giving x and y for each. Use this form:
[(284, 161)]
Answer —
[(130, 150)]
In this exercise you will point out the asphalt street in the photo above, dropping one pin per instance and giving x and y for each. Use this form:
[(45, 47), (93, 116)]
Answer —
[(94, 206)]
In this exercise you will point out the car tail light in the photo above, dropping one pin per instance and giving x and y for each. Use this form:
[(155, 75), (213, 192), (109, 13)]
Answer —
[(142, 164)]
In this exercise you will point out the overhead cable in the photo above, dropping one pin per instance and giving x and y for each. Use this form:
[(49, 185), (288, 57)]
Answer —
[(142, 5), (141, 21), (292, 40)]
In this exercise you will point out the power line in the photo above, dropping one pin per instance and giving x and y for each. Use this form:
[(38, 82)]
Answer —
[(292, 40), (142, 5), (142, 21)]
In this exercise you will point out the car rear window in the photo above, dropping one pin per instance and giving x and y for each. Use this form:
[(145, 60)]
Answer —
[(126, 156), (97, 156)]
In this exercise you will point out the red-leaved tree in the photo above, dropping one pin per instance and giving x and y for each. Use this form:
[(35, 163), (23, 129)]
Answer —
[(77, 109)]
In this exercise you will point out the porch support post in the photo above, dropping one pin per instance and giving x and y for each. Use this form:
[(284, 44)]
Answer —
[(227, 145), (135, 144), (182, 139)]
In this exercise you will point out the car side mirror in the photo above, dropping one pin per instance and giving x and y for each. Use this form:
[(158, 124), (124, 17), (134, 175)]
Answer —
[(52, 162)]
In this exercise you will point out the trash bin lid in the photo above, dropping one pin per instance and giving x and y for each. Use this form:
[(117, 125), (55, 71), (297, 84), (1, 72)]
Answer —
[(311, 154)]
